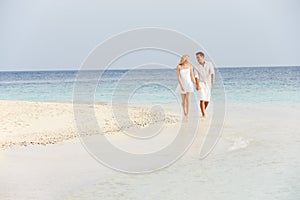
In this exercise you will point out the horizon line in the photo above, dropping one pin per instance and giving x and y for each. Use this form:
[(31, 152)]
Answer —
[(223, 67)]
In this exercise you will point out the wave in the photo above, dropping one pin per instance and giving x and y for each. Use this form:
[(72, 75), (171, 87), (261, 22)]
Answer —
[(239, 143), (47, 81)]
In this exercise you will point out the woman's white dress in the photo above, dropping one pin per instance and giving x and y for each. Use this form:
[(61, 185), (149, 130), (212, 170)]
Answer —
[(186, 80)]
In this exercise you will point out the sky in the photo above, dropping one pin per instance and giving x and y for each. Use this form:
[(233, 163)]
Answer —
[(54, 35)]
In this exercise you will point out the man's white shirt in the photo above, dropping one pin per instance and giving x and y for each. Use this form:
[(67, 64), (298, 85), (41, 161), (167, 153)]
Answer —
[(203, 73)]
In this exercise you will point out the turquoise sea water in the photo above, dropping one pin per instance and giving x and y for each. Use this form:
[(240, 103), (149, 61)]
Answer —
[(241, 85)]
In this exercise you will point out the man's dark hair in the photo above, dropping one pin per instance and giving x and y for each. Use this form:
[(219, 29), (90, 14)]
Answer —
[(200, 53)]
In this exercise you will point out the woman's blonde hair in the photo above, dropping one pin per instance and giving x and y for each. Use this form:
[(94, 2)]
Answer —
[(183, 59)]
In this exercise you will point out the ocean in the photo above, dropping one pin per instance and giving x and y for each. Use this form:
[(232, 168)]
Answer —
[(241, 85)]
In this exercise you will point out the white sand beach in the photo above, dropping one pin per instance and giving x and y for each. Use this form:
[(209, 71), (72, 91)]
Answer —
[(27, 123), (257, 154)]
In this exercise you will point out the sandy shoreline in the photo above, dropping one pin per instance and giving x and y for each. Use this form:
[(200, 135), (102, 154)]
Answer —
[(29, 123), (256, 144)]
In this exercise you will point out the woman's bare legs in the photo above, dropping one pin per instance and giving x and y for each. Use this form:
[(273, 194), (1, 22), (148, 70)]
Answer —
[(188, 102), (183, 97)]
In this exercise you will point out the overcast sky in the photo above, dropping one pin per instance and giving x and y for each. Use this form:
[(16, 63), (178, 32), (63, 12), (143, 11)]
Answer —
[(59, 34)]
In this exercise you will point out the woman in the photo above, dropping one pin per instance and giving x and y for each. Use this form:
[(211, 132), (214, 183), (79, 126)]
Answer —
[(185, 79)]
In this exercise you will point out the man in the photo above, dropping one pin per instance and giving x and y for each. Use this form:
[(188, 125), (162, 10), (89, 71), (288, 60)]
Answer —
[(204, 76)]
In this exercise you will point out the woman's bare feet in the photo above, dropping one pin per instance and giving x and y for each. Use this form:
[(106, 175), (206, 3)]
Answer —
[(185, 118)]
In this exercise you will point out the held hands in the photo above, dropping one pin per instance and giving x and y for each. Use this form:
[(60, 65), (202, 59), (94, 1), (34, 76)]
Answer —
[(198, 87)]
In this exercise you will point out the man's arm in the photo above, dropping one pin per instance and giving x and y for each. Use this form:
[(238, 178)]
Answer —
[(192, 74), (212, 72), (197, 84), (196, 79)]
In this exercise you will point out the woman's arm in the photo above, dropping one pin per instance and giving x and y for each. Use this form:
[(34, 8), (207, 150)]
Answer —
[(178, 76)]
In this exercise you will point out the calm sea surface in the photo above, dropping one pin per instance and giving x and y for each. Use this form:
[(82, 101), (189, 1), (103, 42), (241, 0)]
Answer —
[(241, 85)]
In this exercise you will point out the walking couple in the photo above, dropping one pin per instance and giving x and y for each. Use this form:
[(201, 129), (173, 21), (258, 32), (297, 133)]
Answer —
[(202, 75)]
